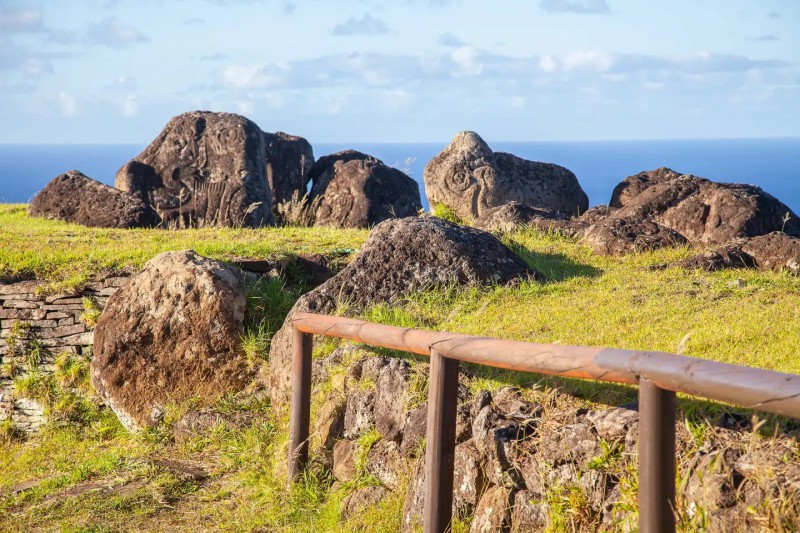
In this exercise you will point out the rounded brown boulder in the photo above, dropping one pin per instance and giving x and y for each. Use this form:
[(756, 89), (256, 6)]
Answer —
[(470, 178), (172, 333), (75, 197), (204, 169), (355, 190), (289, 160)]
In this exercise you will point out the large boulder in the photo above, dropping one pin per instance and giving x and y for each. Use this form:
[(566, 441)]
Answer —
[(656, 206), (355, 190), (470, 178), (400, 256), (774, 251), (172, 333), (204, 168), (289, 160), (514, 215), (75, 197)]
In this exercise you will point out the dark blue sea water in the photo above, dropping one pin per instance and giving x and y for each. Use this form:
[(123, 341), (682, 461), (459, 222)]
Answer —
[(772, 164)]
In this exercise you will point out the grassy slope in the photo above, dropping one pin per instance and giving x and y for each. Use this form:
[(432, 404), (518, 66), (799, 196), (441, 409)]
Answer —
[(737, 316)]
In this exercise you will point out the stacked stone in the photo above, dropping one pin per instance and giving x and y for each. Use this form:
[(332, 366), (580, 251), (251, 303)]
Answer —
[(55, 321)]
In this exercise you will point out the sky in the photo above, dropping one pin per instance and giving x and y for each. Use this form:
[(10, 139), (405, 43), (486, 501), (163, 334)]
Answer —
[(115, 71)]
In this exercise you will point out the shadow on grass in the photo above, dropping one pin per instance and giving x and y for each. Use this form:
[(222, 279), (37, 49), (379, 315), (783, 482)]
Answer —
[(554, 267)]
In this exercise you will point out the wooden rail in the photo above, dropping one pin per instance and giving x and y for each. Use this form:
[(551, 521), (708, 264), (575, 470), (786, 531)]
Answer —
[(658, 375)]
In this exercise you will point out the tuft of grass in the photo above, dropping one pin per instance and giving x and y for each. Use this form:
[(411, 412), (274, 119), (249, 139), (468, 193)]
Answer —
[(91, 312), (446, 213)]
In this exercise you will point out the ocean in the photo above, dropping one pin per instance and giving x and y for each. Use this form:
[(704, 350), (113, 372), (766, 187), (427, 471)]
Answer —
[(772, 164)]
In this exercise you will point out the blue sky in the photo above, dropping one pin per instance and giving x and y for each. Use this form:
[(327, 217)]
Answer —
[(114, 71)]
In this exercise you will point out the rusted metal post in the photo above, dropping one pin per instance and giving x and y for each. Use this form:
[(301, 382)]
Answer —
[(656, 458), (440, 443), (300, 416)]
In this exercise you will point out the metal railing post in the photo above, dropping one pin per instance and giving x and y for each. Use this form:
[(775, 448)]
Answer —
[(300, 417), (440, 443), (656, 458)]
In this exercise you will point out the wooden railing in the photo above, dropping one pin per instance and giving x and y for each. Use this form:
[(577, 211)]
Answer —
[(658, 375)]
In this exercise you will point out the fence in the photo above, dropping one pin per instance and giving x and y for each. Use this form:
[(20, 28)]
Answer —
[(658, 375)]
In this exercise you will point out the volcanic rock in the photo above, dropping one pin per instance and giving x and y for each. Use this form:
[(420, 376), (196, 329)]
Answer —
[(204, 168), (75, 197)]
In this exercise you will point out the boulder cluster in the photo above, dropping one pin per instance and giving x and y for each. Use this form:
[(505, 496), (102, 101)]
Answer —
[(220, 169)]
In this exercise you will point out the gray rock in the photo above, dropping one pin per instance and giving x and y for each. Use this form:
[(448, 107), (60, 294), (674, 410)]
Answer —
[(613, 424), (329, 423), (289, 160), (658, 204), (359, 414), (469, 479), (414, 429), (386, 463), (172, 333), (529, 513), (204, 168), (493, 512), (400, 257), (390, 398), (515, 215), (362, 498), (355, 190), (470, 178), (344, 463), (75, 197)]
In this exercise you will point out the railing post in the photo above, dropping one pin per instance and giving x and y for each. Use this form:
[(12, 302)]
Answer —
[(440, 443), (656, 458), (300, 416)]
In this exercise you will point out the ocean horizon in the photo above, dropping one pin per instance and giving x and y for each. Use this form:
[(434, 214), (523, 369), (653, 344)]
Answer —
[(772, 164)]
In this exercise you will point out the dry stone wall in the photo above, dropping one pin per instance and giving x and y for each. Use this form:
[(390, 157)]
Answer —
[(53, 322)]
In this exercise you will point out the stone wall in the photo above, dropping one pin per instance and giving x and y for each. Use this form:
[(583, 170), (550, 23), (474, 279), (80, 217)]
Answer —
[(55, 323)]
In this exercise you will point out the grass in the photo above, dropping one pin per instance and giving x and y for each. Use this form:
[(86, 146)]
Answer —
[(736, 316), (68, 255)]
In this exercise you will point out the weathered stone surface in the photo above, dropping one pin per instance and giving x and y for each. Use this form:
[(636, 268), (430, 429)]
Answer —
[(204, 168), (528, 514), (470, 178), (173, 332), (702, 212), (613, 424), (289, 160), (574, 442), (362, 498), (200, 423), (355, 190), (344, 463), (414, 429), (469, 480), (329, 423), (390, 397), (515, 215), (775, 251), (386, 463), (75, 197), (493, 512), (415, 499), (619, 236), (400, 257), (359, 414)]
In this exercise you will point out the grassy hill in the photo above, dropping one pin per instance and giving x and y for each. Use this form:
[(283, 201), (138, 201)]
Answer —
[(636, 302)]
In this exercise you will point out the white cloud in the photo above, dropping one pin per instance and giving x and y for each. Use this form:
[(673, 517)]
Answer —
[(365, 25), (518, 102), (575, 6), (467, 61), (547, 63), (20, 20), (112, 32), (590, 59), (69, 105), (130, 106)]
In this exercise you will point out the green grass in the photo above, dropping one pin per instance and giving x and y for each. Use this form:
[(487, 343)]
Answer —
[(737, 316), (68, 255)]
